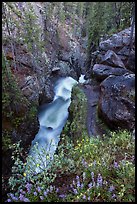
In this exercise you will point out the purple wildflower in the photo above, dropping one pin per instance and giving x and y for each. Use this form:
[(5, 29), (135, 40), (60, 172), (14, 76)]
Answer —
[(21, 191), (115, 164), (84, 197), (9, 200), (73, 182), (89, 198), (35, 193), (11, 195), (99, 180), (113, 196), (77, 177), (26, 200), (78, 184), (112, 188), (82, 185), (92, 174), (38, 189), (28, 186), (62, 196), (21, 197), (15, 198), (57, 190), (85, 164), (41, 197), (75, 191), (51, 188), (90, 185), (45, 193)]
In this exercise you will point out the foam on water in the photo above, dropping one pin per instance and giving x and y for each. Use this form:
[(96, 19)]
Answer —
[(52, 118)]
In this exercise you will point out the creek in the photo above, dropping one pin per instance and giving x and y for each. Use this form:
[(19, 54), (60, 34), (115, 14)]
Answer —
[(52, 118)]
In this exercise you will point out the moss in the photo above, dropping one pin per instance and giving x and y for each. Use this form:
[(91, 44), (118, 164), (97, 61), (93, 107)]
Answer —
[(76, 124)]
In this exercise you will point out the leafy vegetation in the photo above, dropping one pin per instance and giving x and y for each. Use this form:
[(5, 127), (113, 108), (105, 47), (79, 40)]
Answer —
[(98, 170), (84, 168)]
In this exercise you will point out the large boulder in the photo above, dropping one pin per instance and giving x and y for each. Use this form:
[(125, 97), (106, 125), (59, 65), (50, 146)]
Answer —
[(101, 71), (117, 101), (112, 59), (131, 61), (117, 41), (38, 90)]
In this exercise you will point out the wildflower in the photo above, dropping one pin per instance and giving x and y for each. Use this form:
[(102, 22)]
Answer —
[(57, 190), (11, 195), (113, 196), (24, 174), (41, 197), (15, 198), (112, 188), (82, 185), (28, 186), (9, 200), (35, 193), (92, 174), (90, 185), (115, 164), (73, 182), (77, 177), (84, 163), (21, 197), (99, 180), (89, 198), (94, 162), (78, 184), (84, 197), (45, 193), (38, 189), (26, 200), (84, 175), (75, 191), (62, 196), (51, 188), (37, 165)]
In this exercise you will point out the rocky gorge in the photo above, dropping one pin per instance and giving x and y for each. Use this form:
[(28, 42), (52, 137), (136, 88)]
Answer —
[(104, 101)]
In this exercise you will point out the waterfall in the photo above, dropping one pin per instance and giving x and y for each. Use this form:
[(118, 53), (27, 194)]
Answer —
[(52, 118)]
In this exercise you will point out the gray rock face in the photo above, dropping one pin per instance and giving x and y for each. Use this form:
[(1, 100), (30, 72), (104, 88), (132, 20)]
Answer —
[(63, 69), (117, 40), (37, 90), (101, 71), (117, 101), (110, 58), (131, 61)]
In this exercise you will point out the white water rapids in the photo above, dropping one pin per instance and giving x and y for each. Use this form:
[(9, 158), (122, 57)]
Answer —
[(52, 118)]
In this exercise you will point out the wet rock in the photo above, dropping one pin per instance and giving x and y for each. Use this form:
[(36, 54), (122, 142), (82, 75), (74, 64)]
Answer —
[(63, 69), (117, 101), (112, 59), (101, 71)]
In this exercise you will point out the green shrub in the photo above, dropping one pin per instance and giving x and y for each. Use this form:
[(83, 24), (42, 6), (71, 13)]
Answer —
[(103, 170)]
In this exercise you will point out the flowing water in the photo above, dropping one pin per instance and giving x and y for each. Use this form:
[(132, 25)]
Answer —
[(52, 118)]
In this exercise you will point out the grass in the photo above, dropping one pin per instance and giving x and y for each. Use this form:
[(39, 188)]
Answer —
[(84, 169)]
